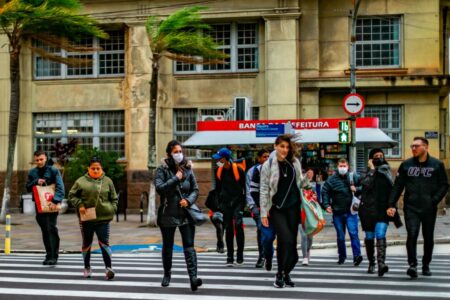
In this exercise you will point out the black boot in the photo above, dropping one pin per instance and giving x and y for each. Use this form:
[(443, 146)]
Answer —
[(167, 264), (191, 263), (381, 256), (370, 251)]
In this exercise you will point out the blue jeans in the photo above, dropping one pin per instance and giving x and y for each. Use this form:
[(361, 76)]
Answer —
[(380, 231), (349, 221), (268, 235)]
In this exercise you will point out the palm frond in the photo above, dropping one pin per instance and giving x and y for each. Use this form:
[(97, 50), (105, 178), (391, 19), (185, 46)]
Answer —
[(71, 61)]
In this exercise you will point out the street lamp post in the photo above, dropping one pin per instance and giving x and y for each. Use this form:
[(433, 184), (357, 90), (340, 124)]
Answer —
[(352, 153)]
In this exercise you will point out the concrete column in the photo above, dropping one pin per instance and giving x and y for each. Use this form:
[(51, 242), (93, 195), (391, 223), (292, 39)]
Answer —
[(281, 62)]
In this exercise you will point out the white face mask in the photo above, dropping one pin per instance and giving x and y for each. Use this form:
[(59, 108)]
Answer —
[(219, 164), (178, 157), (342, 170)]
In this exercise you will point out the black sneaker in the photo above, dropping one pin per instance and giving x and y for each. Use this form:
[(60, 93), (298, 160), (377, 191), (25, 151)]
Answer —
[(341, 261), (268, 264), (239, 261), (259, 263), (279, 281), (288, 281), (412, 272), (230, 262), (45, 262), (52, 262), (426, 271), (220, 250), (357, 261)]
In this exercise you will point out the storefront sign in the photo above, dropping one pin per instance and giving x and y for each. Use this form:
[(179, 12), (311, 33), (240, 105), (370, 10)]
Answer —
[(431, 134), (269, 130)]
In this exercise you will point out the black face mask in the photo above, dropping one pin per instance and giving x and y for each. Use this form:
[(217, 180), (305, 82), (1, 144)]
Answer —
[(377, 161)]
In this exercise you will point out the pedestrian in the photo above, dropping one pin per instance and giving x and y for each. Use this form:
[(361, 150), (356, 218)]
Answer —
[(177, 187), (46, 174), (376, 189), (230, 188), (307, 240), (95, 192), (281, 182), (425, 182), (337, 195), (252, 196)]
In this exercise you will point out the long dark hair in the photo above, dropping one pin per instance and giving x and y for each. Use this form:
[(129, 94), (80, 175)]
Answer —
[(293, 150)]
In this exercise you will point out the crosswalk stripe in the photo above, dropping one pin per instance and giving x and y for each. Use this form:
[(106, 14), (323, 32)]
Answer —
[(25, 275)]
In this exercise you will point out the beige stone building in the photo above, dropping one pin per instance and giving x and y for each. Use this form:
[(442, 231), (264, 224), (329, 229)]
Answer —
[(290, 58)]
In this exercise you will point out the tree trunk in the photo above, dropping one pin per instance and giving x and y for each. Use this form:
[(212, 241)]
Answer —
[(14, 106), (151, 211)]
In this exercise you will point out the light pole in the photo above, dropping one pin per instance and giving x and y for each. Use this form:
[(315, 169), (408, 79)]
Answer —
[(352, 152)]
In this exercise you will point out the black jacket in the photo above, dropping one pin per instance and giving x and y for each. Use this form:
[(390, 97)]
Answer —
[(376, 189), (231, 193), (168, 186), (425, 184), (337, 194)]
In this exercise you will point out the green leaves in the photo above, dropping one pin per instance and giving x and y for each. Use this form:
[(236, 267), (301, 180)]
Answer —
[(181, 37)]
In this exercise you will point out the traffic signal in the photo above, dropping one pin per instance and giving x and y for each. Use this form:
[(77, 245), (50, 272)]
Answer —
[(344, 135)]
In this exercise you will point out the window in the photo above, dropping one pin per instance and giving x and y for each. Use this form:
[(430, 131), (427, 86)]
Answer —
[(102, 130), (378, 42), (390, 121), (238, 40), (108, 60)]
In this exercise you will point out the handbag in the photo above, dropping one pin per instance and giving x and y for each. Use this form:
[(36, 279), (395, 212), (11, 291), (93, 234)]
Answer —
[(195, 215), (355, 205), (90, 213), (312, 217), (43, 196), (212, 201)]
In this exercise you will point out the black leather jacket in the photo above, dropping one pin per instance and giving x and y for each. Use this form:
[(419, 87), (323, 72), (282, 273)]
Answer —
[(425, 184), (169, 187)]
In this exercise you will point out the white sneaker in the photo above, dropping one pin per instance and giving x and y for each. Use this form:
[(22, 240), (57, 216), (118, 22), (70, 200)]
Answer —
[(305, 261)]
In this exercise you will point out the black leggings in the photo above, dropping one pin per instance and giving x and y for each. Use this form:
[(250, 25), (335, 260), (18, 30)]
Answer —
[(286, 223), (412, 222), (168, 234)]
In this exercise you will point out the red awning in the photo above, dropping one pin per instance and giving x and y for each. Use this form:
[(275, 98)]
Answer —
[(213, 134)]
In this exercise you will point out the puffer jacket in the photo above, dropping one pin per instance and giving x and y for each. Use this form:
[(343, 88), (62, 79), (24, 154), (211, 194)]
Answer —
[(270, 175), (168, 186), (425, 184), (99, 193), (337, 194)]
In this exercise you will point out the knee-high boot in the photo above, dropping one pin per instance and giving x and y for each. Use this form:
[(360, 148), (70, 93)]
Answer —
[(167, 265), (191, 263), (381, 257), (370, 251)]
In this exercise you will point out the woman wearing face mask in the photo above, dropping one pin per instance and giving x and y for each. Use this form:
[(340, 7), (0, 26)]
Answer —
[(175, 183), (95, 190), (376, 188), (281, 182)]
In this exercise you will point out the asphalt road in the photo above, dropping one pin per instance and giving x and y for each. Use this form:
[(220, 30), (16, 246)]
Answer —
[(138, 276)]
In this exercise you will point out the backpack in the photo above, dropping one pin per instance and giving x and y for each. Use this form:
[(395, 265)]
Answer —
[(312, 217), (235, 167)]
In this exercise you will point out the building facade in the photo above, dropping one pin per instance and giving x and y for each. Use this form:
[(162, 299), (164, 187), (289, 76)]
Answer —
[(289, 58)]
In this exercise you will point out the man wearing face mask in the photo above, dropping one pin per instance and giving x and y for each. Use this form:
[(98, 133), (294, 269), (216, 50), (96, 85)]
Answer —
[(337, 195), (425, 182), (230, 188)]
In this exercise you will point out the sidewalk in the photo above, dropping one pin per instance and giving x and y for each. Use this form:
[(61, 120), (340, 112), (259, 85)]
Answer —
[(132, 235)]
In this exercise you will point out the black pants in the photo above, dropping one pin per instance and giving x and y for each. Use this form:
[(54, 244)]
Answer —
[(101, 229), (168, 235), (286, 223), (412, 222), (47, 222), (232, 222)]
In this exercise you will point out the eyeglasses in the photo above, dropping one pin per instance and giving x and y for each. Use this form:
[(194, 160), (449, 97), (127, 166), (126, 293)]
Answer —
[(415, 146)]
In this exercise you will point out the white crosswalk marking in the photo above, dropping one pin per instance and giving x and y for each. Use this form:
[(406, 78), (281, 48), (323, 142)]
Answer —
[(139, 276)]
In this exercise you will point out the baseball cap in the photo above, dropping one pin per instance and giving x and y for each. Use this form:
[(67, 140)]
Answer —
[(223, 152)]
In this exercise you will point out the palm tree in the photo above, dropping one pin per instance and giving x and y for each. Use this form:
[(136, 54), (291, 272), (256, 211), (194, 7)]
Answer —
[(51, 22), (179, 37)]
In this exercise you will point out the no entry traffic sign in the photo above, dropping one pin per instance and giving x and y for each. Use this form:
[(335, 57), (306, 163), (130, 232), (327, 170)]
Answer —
[(353, 104)]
